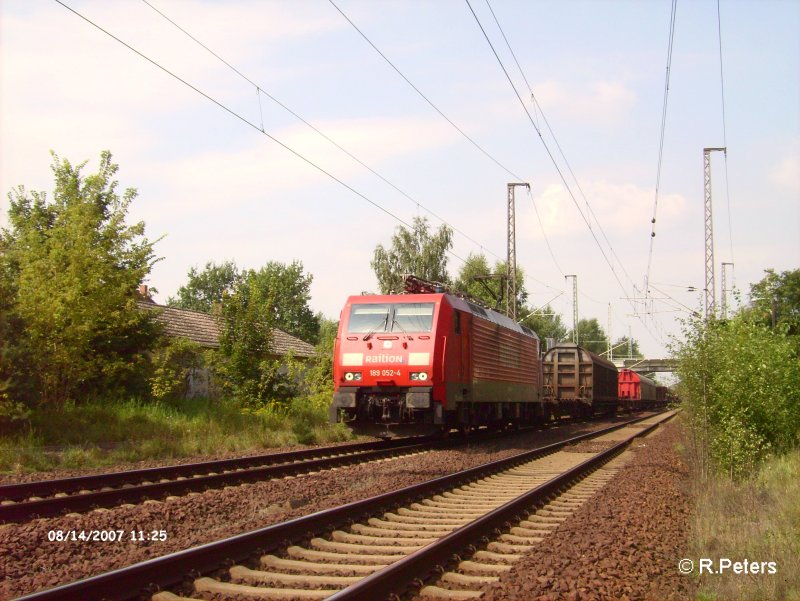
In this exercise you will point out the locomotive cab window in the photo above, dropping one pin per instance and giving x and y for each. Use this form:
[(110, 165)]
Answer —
[(413, 317), (368, 318), (382, 317)]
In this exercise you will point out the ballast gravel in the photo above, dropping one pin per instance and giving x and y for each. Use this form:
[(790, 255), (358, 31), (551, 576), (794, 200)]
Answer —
[(623, 544), (30, 561)]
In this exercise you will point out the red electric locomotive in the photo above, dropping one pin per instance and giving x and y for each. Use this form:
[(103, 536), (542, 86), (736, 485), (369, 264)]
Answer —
[(430, 360)]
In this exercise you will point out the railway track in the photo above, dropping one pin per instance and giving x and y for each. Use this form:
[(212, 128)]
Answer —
[(456, 533), (46, 498)]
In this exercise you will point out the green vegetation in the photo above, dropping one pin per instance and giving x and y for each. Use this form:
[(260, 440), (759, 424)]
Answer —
[(417, 252), (740, 390), (591, 336), (740, 386), (103, 433), (205, 289), (69, 269), (85, 369), (757, 519)]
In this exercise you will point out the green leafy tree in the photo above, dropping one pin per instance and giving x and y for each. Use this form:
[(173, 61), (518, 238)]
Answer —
[(171, 364), (275, 296), (591, 336), (417, 251), (320, 371), (69, 270), (206, 288), (288, 291), (625, 347), (740, 386), (488, 285), (248, 369), (546, 323), (776, 300)]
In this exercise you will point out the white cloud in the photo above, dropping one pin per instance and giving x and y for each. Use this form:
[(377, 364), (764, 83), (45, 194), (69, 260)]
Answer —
[(786, 175), (602, 101), (621, 208), (263, 170)]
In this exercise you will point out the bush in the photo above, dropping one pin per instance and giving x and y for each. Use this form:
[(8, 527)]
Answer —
[(740, 385), (172, 364)]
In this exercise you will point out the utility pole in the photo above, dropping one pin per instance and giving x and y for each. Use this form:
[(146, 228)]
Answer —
[(574, 307), (710, 289), (630, 343), (511, 259), (724, 296), (610, 348)]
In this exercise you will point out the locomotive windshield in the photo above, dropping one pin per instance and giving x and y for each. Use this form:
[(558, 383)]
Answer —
[(383, 317)]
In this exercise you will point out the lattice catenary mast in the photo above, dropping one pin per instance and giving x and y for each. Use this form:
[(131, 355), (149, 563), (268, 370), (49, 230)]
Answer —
[(574, 307), (710, 291), (511, 259)]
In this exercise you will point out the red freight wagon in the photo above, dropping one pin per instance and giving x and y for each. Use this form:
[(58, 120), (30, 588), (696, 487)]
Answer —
[(635, 390), (433, 359)]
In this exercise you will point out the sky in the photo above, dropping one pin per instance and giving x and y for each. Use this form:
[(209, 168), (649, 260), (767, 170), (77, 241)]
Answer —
[(208, 152)]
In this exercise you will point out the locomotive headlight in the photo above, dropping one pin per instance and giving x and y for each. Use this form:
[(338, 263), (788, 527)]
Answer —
[(348, 376), (419, 376), (352, 375)]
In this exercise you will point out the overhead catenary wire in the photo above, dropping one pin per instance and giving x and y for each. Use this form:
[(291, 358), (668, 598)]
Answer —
[(724, 131), (544, 234), (555, 164), (670, 46), (260, 90), (538, 109), (246, 121), (439, 111)]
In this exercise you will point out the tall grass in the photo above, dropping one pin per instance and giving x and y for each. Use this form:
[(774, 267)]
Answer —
[(756, 518), (98, 434)]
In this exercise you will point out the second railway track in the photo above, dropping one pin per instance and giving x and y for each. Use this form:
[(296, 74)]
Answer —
[(47, 498)]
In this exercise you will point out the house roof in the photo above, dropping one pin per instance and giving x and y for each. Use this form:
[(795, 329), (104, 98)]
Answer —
[(204, 329)]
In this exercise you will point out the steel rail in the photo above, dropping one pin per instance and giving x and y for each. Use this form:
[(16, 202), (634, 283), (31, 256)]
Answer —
[(42, 488), (130, 582), (111, 489), (54, 506), (401, 575)]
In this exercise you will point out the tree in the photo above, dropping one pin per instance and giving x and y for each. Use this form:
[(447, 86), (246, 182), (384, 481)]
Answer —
[(69, 269), (319, 376), (546, 323), (591, 336), (415, 251), (740, 387), (776, 300), (206, 288), (275, 296), (477, 280), (287, 290), (622, 346), (245, 342)]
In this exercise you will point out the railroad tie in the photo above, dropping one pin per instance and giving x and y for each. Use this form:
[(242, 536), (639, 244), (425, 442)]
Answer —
[(226, 589), (272, 562), (241, 574), (486, 566)]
